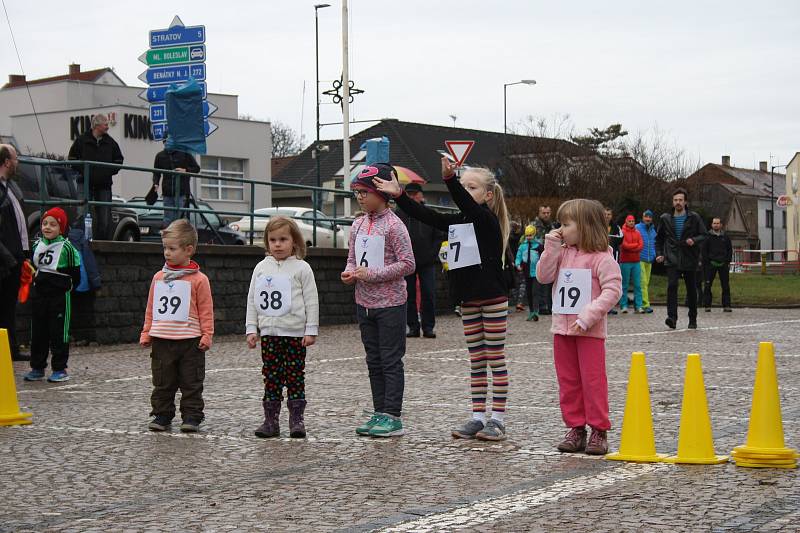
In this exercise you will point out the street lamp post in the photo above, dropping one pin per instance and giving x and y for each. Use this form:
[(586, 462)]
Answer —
[(315, 196), (505, 107)]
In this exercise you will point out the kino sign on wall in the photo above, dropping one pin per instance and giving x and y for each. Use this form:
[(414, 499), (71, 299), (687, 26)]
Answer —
[(175, 55)]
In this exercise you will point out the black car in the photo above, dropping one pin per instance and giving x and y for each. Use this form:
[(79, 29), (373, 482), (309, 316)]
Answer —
[(61, 183), (210, 229)]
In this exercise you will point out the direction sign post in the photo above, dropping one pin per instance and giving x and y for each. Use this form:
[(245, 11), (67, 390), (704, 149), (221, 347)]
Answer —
[(176, 54)]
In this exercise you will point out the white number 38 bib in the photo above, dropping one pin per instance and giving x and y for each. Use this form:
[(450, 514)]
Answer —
[(273, 295), (573, 291)]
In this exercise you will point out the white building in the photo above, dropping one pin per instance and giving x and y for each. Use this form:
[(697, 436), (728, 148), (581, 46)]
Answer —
[(64, 107)]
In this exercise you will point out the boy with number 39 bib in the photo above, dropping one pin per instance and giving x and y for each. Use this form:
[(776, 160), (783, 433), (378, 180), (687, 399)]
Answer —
[(179, 325), (586, 283), (379, 259), (283, 311)]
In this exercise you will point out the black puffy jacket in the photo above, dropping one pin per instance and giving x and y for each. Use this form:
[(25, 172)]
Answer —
[(676, 253)]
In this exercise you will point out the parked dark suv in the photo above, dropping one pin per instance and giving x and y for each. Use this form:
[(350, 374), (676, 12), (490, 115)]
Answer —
[(210, 229), (61, 184)]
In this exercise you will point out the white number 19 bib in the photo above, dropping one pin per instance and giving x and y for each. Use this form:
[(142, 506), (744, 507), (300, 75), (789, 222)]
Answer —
[(171, 300), (369, 250), (462, 246), (573, 291)]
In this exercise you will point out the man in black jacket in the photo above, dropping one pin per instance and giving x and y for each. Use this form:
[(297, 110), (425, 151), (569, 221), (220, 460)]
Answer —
[(175, 189), (14, 244), (98, 145), (678, 242), (425, 241), (717, 257)]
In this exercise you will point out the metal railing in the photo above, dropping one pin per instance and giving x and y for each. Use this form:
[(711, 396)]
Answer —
[(85, 176)]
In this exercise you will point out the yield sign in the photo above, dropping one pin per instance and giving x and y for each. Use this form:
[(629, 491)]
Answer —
[(459, 150)]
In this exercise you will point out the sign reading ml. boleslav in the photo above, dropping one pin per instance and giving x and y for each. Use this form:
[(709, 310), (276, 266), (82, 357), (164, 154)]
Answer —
[(176, 54)]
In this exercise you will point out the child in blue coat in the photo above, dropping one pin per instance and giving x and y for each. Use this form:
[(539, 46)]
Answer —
[(527, 257)]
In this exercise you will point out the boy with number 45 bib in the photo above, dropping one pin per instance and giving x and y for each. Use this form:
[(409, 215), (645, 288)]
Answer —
[(57, 265), (179, 325), (587, 283)]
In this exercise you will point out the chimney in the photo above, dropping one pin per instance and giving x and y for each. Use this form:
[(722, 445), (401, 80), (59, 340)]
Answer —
[(14, 79), (762, 166), (74, 70), (726, 160)]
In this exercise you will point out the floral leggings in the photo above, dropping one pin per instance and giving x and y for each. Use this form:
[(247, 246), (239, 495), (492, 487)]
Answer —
[(284, 365)]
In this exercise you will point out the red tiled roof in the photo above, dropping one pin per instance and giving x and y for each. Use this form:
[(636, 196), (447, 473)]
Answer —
[(88, 75)]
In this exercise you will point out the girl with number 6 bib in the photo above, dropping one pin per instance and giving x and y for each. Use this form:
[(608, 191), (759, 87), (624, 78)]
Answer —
[(283, 311), (587, 283), (379, 259), (477, 238)]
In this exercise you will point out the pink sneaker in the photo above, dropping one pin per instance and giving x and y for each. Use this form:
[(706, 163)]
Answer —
[(574, 441), (598, 443)]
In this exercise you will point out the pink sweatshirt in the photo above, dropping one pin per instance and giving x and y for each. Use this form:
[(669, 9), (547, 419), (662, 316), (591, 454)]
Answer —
[(384, 287), (606, 285)]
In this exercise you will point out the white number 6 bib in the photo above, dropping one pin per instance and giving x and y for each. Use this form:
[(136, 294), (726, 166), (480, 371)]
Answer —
[(462, 246), (171, 300), (273, 295), (573, 290), (369, 250)]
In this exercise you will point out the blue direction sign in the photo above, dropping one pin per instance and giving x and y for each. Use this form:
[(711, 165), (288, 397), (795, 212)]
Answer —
[(159, 93), (160, 129), (158, 113), (173, 74), (177, 34), (208, 109)]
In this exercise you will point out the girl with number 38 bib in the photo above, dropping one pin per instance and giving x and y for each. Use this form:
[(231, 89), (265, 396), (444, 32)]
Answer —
[(586, 283), (283, 313), (477, 237)]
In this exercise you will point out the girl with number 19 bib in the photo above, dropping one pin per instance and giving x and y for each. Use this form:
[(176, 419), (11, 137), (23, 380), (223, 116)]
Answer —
[(587, 283), (477, 238)]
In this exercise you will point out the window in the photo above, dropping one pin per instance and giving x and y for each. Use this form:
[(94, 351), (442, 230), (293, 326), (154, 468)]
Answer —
[(217, 189), (58, 183), (212, 218), (321, 222), (770, 218)]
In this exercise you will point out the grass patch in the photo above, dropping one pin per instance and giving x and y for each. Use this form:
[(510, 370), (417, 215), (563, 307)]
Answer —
[(746, 290)]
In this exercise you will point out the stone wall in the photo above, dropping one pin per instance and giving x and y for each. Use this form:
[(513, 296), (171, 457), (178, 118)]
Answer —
[(115, 313)]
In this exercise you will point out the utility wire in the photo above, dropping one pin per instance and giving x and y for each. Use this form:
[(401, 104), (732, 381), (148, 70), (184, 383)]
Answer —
[(19, 59)]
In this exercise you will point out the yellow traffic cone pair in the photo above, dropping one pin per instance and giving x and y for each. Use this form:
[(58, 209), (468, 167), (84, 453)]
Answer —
[(10, 414), (765, 446)]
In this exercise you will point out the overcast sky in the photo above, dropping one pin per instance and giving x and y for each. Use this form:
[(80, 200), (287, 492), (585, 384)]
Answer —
[(717, 78)]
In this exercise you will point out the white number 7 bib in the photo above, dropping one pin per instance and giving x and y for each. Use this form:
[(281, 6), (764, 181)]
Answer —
[(573, 290), (171, 300), (369, 250), (462, 246)]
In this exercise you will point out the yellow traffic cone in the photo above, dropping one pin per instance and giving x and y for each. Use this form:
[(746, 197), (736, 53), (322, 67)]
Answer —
[(765, 442), (637, 443), (695, 442), (9, 408)]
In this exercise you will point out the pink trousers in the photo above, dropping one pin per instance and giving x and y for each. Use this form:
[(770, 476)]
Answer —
[(582, 383)]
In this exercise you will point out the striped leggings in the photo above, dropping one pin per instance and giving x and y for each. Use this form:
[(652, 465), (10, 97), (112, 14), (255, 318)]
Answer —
[(485, 331)]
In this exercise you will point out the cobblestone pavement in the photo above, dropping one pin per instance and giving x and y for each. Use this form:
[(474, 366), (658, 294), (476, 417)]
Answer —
[(88, 462)]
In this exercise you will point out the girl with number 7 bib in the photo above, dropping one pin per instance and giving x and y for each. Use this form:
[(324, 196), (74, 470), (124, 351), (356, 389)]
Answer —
[(477, 238), (587, 282), (283, 313)]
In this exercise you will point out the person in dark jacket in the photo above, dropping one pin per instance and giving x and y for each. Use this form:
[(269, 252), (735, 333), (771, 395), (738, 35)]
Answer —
[(175, 189), (425, 241), (97, 145), (13, 243), (544, 224), (717, 256), (678, 243), (517, 293)]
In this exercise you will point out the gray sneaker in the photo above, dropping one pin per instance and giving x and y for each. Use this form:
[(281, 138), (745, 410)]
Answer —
[(494, 430), (468, 430)]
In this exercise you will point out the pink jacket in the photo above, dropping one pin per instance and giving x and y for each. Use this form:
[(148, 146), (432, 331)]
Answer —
[(606, 285), (385, 287)]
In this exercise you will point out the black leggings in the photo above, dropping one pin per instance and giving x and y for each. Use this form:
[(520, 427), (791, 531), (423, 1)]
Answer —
[(532, 289)]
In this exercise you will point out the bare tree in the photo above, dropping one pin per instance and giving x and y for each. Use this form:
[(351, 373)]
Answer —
[(285, 141)]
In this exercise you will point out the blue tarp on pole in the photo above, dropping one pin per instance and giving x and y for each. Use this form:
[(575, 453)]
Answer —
[(185, 118)]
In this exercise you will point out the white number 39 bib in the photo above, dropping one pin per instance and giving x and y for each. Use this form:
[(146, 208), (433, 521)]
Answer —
[(573, 291), (171, 300)]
